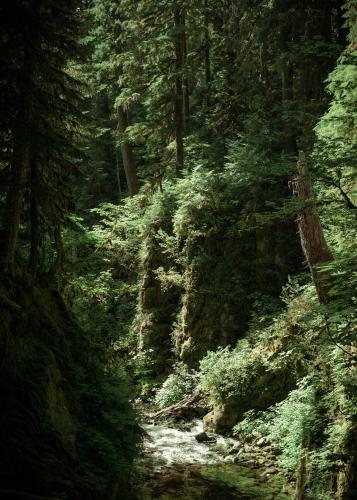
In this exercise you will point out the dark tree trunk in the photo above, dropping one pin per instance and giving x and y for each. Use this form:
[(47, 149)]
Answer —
[(263, 76), (118, 177), (179, 108), (287, 79), (207, 57), (311, 233), (185, 85), (58, 264), (14, 201), (127, 155), (35, 223), (287, 31)]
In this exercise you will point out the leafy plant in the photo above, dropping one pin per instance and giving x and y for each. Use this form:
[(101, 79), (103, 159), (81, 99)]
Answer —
[(177, 386)]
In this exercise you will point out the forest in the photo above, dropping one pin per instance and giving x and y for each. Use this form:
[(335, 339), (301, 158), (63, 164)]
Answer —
[(178, 227)]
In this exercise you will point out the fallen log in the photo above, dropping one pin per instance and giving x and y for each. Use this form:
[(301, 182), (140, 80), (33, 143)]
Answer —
[(190, 407)]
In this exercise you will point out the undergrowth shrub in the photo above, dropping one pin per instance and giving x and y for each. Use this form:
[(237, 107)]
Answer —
[(286, 424), (254, 421), (108, 434), (226, 372), (294, 419), (66, 420), (279, 347), (178, 385)]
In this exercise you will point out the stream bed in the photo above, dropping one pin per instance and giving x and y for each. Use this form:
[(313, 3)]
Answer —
[(176, 466)]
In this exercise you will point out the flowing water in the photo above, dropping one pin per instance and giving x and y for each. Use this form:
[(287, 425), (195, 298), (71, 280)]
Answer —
[(176, 466), (168, 445)]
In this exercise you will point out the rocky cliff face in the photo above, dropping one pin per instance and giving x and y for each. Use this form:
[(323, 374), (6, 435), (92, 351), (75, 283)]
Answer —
[(215, 306), (204, 231), (158, 307), (221, 275)]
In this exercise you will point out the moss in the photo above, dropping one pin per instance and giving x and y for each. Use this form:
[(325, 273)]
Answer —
[(157, 311), (246, 481)]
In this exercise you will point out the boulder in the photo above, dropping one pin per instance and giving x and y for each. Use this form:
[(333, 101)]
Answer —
[(222, 418), (262, 442), (203, 437), (234, 449)]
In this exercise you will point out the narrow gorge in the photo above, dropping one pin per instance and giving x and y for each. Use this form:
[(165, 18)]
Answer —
[(178, 249)]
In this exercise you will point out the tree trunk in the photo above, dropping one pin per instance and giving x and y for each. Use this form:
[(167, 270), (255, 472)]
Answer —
[(302, 473), (207, 57), (301, 479), (189, 407), (14, 201), (311, 233), (58, 264), (35, 226), (179, 114), (118, 176), (185, 86), (287, 75), (127, 155)]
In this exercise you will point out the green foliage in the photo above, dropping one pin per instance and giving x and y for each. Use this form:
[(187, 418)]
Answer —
[(275, 344), (179, 384), (293, 419), (225, 373), (66, 415), (108, 433), (254, 421), (189, 265), (43, 123), (305, 424), (316, 419)]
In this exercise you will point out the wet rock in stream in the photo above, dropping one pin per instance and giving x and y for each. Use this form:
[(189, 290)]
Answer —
[(203, 437)]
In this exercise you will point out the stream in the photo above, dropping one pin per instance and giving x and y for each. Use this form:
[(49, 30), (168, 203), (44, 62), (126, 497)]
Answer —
[(176, 466)]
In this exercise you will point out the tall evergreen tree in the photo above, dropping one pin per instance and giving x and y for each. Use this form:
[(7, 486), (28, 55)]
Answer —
[(105, 74), (40, 136)]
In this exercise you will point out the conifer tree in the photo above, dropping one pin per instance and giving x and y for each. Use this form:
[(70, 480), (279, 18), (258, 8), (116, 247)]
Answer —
[(106, 74), (40, 135)]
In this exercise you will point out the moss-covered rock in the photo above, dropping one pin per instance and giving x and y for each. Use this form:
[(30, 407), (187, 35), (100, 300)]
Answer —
[(259, 372), (265, 389), (157, 311), (215, 306)]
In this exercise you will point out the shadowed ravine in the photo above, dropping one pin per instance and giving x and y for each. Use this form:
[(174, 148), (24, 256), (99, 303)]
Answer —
[(176, 466)]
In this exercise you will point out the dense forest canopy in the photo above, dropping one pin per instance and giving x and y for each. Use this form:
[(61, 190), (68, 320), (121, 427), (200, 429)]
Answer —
[(177, 219)]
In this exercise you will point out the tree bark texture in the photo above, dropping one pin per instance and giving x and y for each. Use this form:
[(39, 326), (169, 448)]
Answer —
[(311, 233), (207, 57), (14, 200), (185, 84), (127, 155), (35, 222), (189, 407), (58, 244), (287, 86), (179, 96)]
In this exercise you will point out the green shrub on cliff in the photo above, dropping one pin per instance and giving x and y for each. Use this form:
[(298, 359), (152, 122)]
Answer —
[(291, 419), (226, 373), (178, 385)]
